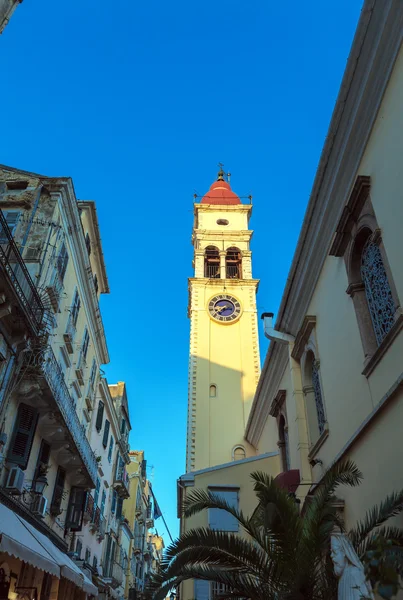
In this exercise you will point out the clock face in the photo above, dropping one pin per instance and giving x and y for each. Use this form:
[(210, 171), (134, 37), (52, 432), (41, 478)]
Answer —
[(224, 308)]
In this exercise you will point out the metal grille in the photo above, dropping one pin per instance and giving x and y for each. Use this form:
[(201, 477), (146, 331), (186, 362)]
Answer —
[(212, 271), (377, 290), (15, 269), (317, 390), (218, 590)]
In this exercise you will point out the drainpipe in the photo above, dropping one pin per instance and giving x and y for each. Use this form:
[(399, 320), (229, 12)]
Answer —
[(273, 334), (297, 394)]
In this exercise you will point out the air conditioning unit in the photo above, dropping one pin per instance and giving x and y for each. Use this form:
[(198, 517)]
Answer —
[(89, 403), (15, 481), (38, 506), (80, 376), (68, 340)]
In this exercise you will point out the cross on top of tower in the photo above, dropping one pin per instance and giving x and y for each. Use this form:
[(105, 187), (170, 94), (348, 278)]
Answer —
[(220, 175)]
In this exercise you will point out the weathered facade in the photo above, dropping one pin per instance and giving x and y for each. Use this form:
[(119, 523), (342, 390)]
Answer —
[(7, 7), (139, 508), (63, 430)]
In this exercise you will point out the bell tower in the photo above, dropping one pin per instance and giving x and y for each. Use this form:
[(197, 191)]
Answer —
[(224, 364)]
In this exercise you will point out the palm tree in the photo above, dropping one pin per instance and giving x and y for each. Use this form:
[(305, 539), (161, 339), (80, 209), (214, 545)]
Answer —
[(284, 552)]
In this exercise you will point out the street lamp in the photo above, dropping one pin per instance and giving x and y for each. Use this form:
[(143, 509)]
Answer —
[(39, 484)]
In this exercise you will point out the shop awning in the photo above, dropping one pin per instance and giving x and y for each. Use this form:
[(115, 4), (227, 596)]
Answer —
[(21, 539), (17, 540), (68, 568)]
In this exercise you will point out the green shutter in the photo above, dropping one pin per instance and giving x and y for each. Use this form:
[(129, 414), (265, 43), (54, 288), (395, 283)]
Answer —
[(23, 435), (106, 433), (100, 416), (75, 509)]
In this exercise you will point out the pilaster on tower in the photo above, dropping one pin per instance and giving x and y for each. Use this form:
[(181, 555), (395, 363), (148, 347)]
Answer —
[(224, 363)]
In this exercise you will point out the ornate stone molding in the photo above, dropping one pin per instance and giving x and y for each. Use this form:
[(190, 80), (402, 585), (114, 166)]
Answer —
[(350, 215), (277, 403), (303, 336)]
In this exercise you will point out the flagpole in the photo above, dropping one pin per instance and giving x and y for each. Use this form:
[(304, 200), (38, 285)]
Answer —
[(163, 518)]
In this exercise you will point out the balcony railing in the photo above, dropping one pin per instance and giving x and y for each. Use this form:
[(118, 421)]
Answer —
[(117, 573), (17, 273), (121, 482), (232, 271), (212, 271), (55, 379)]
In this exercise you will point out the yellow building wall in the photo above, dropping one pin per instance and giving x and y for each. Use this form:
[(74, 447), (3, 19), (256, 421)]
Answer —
[(236, 474), (222, 354)]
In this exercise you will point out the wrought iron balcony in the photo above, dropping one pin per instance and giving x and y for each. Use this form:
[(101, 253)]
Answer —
[(54, 377), (117, 574), (121, 483), (19, 278)]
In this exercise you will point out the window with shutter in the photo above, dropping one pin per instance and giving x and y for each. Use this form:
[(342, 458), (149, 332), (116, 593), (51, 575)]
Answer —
[(23, 435), (62, 261), (110, 450), (43, 459), (103, 502), (75, 509), (96, 493), (201, 589), (220, 519), (100, 416), (11, 217), (75, 307), (58, 491), (106, 433), (85, 342), (96, 283), (114, 499), (88, 243), (107, 560), (119, 508), (79, 548)]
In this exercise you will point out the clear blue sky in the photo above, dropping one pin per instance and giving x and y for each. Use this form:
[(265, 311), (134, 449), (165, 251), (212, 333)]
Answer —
[(137, 102)]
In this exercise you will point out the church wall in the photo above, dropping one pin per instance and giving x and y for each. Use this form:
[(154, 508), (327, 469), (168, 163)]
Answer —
[(236, 216), (340, 348)]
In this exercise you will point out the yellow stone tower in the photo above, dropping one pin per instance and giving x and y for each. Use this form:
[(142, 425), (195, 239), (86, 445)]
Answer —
[(224, 363)]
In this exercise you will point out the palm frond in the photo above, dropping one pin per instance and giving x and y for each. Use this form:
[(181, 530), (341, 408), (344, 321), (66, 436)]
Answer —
[(219, 547), (394, 534), (199, 500), (375, 517)]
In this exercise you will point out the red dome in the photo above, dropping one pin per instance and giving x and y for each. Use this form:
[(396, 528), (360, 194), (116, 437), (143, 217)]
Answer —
[(220, 193)]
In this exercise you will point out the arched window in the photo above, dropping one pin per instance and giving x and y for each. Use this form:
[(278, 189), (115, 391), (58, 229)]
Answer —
[(213, 391), (377, 290), (233, 264), (238, 453), (313, 397), (212, 263), (317, 391), (283, 443)]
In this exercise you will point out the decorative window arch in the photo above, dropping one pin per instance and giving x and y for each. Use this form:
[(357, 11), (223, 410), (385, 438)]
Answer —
[(283, 443), (212, 263), (238, 453), (358, 239), (233, 263), (313, 395), (213, 391)]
